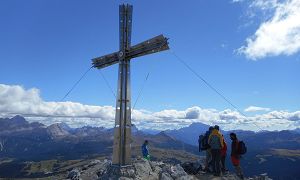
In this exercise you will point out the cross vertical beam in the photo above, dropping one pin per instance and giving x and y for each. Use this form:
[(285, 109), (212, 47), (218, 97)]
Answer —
[(122, 129)]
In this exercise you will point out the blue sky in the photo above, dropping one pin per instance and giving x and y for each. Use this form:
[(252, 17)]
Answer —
[(47, 45)]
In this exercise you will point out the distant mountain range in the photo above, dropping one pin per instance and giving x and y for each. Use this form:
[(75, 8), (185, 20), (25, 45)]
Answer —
[(22, 142), (189, 134), (277, 153), (274, 152)]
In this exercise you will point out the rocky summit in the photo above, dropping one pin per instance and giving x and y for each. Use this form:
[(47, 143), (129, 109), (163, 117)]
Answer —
[(142, 169)]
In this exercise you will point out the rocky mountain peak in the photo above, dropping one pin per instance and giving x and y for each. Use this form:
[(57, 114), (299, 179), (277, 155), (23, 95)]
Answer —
[(58, 130), (144, 169), (20, 120), (17, 124)]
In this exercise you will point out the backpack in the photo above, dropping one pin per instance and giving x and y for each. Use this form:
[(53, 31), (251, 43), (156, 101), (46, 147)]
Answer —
[(242, 149), (200, 142), (203, 142)]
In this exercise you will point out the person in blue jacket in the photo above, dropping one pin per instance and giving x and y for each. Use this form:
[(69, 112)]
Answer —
[(145, 150)]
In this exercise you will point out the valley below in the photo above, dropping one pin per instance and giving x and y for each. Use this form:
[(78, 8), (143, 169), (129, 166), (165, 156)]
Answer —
[(33, 150)]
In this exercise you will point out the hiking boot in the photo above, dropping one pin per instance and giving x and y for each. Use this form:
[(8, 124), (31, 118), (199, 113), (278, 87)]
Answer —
[(224, 170), (217, 175), (207, 170)]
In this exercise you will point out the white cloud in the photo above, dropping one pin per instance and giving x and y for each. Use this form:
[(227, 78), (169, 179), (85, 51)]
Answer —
[(27, 102), (277, 35), (264, 4), (295, 116), (16, 100), (256, 108), (235, 1)]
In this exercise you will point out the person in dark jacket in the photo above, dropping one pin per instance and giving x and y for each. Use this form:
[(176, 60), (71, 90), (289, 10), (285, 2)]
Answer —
[(145, 150), (208, 159), (223, 155), (235, 155), (215, 141)]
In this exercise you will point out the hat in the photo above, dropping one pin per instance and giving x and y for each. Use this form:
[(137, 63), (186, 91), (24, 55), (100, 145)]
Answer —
[(217, 127), (233, 135)]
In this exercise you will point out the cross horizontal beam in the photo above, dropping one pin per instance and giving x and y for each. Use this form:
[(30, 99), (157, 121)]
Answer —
[(107, 60), (153, 45)]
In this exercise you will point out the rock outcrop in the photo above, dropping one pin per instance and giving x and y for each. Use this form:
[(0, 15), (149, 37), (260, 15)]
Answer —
[(144, 170)]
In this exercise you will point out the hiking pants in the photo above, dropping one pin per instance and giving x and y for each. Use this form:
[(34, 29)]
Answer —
[(216, 160), (239, 171), (236, 163), (208, 158), (223, 158)]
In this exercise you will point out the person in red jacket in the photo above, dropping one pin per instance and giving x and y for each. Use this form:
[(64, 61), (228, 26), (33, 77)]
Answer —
[(235, 155), (223, 156)]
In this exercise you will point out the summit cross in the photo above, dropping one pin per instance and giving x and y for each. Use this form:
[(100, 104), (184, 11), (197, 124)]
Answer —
[(122, 128)]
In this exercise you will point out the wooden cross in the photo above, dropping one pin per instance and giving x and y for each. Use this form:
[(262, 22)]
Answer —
[(122, 129)]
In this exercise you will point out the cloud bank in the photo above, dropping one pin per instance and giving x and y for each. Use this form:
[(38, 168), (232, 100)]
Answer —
[(278, 34), (255, 108), (15, 99)]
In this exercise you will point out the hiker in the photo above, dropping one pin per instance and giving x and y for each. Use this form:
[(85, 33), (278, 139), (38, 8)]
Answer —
[(235, 155), (223, 156), (215, 141), (206, 147), (145, 151)]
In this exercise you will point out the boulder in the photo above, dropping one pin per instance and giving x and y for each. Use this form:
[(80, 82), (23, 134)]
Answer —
[(74, 174), (128, 172), (165, 176), (94, 169), (191, 168), (142, 168), (187, 177), (177, 171), (125, 178), (156, 166)]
